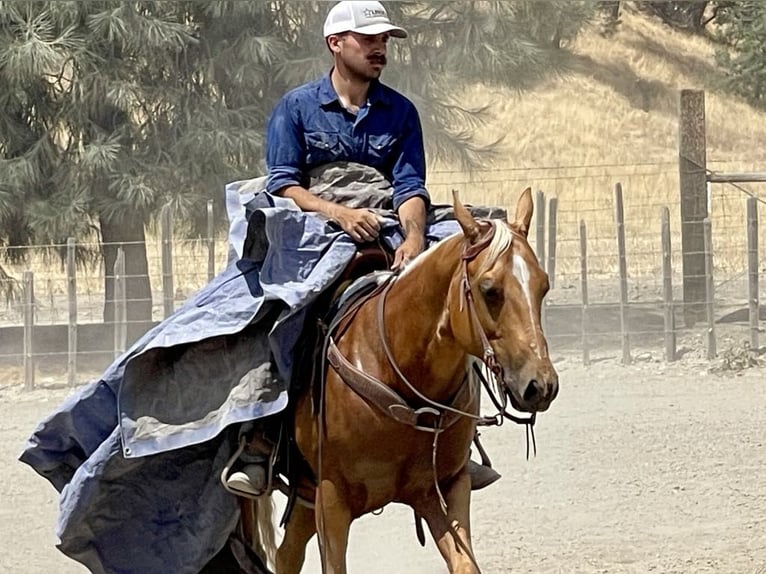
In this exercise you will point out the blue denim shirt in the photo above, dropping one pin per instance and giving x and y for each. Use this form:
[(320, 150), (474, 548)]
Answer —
[(309, 127)]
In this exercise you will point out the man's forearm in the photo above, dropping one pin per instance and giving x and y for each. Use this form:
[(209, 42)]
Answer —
[(412, 216), (307, 201)]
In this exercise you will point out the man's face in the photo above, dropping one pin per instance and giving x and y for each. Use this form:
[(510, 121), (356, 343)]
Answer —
[(364, 56)]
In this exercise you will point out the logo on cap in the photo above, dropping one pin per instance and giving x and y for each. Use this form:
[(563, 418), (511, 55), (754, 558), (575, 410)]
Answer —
[(373, 12)]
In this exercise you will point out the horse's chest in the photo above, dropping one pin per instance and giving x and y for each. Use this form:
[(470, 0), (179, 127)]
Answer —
[(409, 453)]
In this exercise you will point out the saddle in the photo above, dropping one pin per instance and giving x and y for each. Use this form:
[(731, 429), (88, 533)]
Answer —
[(369, 268)]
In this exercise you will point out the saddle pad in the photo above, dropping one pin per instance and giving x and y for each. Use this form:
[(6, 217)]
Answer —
[(358, 289)]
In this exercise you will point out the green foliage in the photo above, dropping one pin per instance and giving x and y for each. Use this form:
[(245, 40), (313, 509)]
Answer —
[(742, 29), (122, 106), (687, 15)]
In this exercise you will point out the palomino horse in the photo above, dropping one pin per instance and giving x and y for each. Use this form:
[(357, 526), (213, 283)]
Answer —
[(477, 293)]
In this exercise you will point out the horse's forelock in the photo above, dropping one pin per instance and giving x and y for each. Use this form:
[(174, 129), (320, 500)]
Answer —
[(500, 243)]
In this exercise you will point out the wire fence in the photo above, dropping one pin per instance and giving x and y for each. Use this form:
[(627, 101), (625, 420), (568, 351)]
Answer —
[(189, 273), (608, 292)]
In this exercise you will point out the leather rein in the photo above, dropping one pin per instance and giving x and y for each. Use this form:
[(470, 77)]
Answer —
[(444, 415)]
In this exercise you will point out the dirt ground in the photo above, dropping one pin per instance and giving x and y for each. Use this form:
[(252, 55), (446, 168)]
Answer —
[(648, 468)]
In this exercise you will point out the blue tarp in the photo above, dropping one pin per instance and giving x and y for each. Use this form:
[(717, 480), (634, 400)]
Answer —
[(137, 454)]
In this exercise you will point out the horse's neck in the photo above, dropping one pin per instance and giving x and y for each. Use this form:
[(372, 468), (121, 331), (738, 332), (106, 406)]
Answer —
[(417, 322)]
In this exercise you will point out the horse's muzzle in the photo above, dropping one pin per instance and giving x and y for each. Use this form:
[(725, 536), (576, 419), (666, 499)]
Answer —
[(534, 392)]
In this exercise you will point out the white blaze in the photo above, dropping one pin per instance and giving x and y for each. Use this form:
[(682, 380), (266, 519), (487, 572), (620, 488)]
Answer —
[(521, 272)]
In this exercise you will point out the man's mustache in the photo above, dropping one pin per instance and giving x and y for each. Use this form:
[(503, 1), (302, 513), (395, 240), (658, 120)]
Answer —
[(378, 59)]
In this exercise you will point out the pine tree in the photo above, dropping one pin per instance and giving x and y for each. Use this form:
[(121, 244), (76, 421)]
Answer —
[(112, 111), (742, 26)]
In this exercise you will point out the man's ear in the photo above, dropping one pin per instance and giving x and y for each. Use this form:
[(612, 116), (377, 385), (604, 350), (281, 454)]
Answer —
[(332, 43)]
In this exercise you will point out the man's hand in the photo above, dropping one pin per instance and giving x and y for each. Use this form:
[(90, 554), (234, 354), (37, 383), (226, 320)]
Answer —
[(361, 224), (408, 250)]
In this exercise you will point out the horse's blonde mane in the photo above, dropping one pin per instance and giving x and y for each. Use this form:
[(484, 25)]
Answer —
[(500, 243)]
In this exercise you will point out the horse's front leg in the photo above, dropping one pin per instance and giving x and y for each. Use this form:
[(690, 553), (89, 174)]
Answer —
[(452, 532), (292, 551), (333, 521)]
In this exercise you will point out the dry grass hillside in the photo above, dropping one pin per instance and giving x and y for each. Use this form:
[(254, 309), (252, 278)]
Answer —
[(612, 119)]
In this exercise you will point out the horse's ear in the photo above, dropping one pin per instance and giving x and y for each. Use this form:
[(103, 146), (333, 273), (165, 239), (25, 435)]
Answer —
[(465, 219), (524, 208)]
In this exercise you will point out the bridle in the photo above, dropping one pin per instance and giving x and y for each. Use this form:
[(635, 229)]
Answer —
[(499, 395)]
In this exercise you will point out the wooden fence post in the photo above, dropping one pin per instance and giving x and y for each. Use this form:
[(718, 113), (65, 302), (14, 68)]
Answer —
[(540, 246), (210, 241), (540, 220), (552, 232), (28, 289), (694, 200), (709, 288), (120, 305), (584, 289), (667, 288), (52, 302), (619, 218), (167, 262), (71, 284), (752, 266)]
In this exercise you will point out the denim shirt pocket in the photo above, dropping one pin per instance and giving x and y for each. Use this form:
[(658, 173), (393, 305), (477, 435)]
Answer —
[(379, 147), (322, 147)]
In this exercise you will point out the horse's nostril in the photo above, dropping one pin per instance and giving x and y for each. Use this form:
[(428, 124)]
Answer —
[(531, 391)]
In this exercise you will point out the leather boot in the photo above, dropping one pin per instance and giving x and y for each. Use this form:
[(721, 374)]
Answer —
[(481, 476)]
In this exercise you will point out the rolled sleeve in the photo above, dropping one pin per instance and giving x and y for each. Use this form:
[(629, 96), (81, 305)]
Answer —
[(409, 172), (285, 148)]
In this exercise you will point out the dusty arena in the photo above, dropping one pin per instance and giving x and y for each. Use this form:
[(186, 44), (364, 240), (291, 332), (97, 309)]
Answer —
[(648, 468)]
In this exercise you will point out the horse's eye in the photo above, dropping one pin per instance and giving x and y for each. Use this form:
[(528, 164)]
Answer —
[(492, 294)]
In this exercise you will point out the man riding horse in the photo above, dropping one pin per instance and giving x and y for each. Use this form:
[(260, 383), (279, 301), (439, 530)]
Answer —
[(138, 454), (349, 115)]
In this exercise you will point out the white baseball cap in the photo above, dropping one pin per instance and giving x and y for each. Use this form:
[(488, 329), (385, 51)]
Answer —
[(368, 18)]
